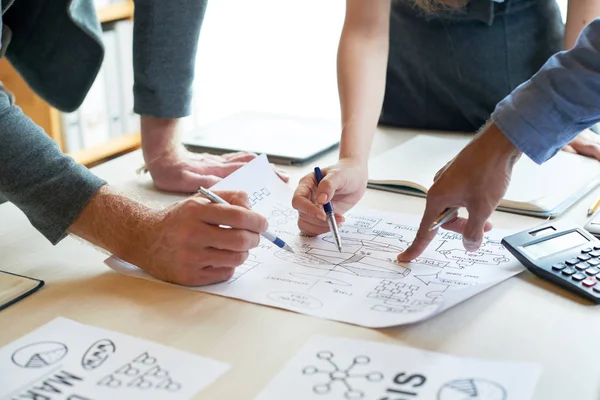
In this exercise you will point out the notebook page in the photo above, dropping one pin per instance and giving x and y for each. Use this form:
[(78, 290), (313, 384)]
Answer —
[(415, 162)]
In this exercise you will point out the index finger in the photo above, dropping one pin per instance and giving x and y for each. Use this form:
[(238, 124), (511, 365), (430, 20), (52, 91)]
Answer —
[(424, 234)]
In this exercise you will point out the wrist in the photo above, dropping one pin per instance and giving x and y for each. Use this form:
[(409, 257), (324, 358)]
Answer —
[(500, 146), (115, 223), (159, 137)]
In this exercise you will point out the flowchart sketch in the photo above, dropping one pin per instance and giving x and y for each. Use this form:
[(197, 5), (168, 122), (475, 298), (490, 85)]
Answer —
[(363, 284), (330, 368)]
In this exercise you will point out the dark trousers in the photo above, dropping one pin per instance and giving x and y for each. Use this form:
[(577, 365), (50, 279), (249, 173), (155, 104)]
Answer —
[(448, 72)]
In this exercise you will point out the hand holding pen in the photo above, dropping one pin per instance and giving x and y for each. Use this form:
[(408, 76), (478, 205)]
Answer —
[(267, 235), (330, 214)]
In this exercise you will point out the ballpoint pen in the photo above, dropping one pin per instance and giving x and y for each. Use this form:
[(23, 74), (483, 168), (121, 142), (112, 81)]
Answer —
[(593, 207), (330, 214), (267, 235), (444, 217)]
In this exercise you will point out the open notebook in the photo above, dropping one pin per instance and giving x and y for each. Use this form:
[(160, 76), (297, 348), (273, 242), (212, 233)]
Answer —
[(544, 191)]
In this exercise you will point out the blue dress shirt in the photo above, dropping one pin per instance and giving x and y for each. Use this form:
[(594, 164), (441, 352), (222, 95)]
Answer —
[(563, 98)]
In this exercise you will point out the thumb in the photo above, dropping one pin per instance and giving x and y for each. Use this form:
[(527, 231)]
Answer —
[(473, 231), (330, 183)]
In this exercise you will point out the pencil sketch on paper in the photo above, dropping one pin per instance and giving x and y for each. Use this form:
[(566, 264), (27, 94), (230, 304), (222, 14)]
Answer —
[(363, 284)]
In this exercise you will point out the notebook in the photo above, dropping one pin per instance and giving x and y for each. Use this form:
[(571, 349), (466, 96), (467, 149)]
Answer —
[(545, 190), (284, 139), (16, 287)]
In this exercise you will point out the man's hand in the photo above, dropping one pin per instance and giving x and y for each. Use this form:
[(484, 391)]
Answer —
[(476, 179), (587, 143), (175, 169), (193, 242), (343, 184)]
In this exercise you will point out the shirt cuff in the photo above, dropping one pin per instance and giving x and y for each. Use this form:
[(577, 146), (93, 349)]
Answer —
[(528, 118)]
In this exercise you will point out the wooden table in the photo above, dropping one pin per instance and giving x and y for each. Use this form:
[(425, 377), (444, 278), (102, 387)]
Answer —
[(522, 319)]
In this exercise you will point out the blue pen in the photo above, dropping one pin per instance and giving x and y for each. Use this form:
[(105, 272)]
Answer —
[(267, 235), (330, 214)]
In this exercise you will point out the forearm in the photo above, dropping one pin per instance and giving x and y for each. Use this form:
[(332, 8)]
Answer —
[(579, 14), (159, 138), (562, 99), (115, 223), (362, 62), (49, 187), (165, 44)]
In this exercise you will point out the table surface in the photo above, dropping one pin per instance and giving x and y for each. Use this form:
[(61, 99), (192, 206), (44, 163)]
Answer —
[(522, 319)]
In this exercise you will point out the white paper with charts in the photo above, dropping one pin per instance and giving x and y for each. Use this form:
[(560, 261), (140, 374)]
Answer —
[(66, 360), (328, 368), (363, 285)]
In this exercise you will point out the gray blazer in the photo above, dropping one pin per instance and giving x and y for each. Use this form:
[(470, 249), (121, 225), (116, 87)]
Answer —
[(56, 46)]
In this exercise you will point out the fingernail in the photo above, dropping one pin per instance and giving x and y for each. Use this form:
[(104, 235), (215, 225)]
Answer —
[(322, 198), (283, 173)]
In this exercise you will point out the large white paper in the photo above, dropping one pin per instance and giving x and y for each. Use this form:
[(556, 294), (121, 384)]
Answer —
[(363, 285), (328, 368), (67, 360)]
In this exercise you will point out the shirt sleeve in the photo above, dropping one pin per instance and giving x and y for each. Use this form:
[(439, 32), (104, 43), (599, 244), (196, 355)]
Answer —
[(563, 98), (49, 187), (165, 43)]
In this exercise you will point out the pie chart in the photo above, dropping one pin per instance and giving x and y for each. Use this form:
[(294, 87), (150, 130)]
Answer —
[(39, 355), (472, 389)]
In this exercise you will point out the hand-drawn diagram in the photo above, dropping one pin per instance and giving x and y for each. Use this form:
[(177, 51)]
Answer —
[(342, 377), (281, 215), (472, 389), (39, 355), (370, 256), (463, 258), (399, 297), (296, 300), (97, 354), (246, 267), (144, 373), (258, 195)]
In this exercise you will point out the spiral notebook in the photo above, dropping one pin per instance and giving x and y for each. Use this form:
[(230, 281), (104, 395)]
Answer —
[(545, 190)]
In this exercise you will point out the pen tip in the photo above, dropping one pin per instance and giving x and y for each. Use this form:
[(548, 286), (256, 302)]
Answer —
[(288, 248)]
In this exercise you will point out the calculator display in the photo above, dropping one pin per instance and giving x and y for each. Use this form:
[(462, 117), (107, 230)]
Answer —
[(555, 245)]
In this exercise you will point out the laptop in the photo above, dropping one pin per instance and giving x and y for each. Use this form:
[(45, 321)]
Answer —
[(284, 139)]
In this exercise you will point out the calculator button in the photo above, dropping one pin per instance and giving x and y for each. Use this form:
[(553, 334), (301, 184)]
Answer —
[(572, 261), (595, 253), (582, 266), (597, 247), (560, 267), (589, 282), (578, 277), (584, 257), (593, 263), (592, 271), (585, 251), (597, 289), (569, 271)]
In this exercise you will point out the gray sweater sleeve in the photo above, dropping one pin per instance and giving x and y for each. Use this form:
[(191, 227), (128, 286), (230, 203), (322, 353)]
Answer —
[(164, 49), (49, 187)]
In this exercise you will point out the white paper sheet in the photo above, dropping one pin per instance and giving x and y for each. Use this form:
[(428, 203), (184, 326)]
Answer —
[(328, 368), (67, 360), (364, 285)]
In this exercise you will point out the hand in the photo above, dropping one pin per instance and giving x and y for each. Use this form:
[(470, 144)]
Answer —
[(476, 179), (187, 244), (175, 169), (343, 184), (587, 143)]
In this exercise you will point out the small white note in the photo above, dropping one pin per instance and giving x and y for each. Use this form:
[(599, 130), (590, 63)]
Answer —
[(68, 360), (328, 368)]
